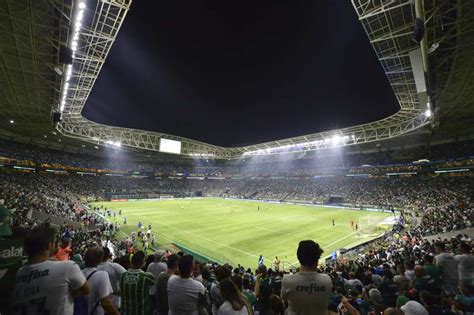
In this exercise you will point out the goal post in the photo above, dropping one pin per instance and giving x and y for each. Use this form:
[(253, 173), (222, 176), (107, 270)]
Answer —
[(369, 224)]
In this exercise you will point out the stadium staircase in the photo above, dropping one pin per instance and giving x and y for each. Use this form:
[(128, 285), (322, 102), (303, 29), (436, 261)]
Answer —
[(252, 195)]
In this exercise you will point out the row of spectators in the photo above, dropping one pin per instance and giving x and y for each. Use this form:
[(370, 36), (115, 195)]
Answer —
[(63, 196), (410, 276), (308, 163)]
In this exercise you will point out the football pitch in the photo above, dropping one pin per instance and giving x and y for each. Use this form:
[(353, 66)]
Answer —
[(238, 231)]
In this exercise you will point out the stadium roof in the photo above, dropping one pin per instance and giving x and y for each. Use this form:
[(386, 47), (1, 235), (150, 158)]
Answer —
[(33, 82), (234, 74)]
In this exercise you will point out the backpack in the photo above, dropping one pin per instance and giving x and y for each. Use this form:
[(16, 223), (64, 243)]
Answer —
[(81, 303)]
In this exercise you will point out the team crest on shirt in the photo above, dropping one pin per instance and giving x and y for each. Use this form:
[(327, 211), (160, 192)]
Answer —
[(130, 279)]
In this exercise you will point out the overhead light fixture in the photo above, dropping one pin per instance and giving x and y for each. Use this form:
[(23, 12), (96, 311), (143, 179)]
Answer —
[(428, 113), (335, 139), (114, 143), (12, 121)]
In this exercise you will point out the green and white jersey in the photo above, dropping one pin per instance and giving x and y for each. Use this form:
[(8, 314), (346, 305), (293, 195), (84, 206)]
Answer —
[(134, 287)]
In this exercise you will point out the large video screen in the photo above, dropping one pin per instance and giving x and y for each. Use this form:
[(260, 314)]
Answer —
[(170, 146)]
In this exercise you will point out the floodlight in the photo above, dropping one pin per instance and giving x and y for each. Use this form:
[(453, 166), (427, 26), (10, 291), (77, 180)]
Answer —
[(82, 5), (336, 139), (12, 121), (80, 15), (428, 113)]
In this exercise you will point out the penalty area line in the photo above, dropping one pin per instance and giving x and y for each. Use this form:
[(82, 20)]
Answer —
[(210, 240)]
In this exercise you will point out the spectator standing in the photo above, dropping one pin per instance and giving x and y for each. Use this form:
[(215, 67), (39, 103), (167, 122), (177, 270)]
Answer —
[(44, 286), (263, 290), (247, 290), (157, 267), (465, 262), (114, 270), (222, 272), (134, 287), (234, 302), (307, 291), (161, 285), (448, 266), (184, 292), (99, 298), (65, 250)]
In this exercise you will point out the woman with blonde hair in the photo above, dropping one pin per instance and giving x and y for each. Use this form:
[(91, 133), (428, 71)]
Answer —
[(234, 302)]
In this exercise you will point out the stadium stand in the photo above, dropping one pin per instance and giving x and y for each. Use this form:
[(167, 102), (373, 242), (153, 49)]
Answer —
[(409, 272)]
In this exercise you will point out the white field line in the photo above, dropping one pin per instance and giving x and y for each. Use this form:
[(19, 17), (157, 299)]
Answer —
[(210, 240)]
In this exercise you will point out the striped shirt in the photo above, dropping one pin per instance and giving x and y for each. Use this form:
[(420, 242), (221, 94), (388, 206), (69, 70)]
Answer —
[(134, 287)]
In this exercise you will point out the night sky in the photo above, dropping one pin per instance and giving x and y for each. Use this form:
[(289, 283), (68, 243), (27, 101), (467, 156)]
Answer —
[(240, 72)]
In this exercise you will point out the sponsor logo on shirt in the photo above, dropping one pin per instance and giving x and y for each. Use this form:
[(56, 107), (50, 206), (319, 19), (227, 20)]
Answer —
[(313, 287), (34, 274)]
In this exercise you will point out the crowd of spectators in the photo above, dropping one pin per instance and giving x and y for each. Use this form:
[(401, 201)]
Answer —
[(75, 269), (409, 276), (302, 164), (437, 199)]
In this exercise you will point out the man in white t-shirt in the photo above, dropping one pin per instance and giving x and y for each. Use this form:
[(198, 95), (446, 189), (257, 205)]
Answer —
[(157, 266), (447, 265), (307, 291), (114, 271), (183, 291), (465, 262), (99, 300), (44, 286)]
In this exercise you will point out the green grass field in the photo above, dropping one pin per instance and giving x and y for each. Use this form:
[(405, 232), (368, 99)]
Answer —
[(208, 227)]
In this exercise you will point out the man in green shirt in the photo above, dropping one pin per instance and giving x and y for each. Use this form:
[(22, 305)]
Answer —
[(134, 288), (433, 271)]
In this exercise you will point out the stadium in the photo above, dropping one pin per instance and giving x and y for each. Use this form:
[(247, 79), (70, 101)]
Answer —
[(307, 158)]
